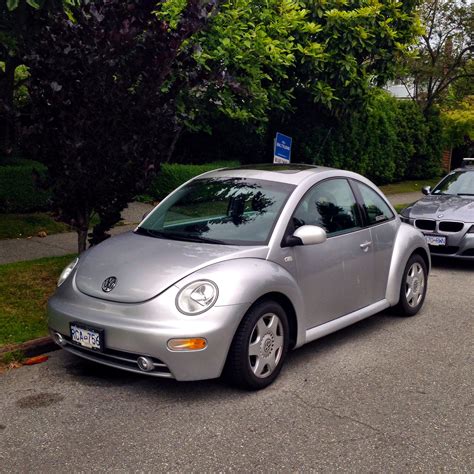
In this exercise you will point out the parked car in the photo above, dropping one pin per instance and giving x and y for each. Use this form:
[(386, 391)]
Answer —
[(236, 267), (446, 215)]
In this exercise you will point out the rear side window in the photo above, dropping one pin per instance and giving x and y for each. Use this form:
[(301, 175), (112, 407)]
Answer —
[(375, 207), (330, 205)]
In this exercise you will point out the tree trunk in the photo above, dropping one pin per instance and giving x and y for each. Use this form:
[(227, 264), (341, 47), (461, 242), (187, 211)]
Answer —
[(173, 144), (82, 229), (81, 240)]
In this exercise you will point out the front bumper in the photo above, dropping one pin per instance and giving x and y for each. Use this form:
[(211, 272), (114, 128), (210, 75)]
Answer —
[(458, 244), (133, 330)]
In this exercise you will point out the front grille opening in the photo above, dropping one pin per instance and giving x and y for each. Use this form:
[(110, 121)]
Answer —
[(425, 224), (450, 250), (119, 358), (448, 226)]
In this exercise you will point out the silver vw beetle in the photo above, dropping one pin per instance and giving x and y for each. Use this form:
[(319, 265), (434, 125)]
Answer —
[(236, 267)]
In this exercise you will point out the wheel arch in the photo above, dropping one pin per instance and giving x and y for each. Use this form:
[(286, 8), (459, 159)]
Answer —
[(290, 311), (408, 241)]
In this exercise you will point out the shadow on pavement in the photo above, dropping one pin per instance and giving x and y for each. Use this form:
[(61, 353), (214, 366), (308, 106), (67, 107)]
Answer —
[(452, 263)]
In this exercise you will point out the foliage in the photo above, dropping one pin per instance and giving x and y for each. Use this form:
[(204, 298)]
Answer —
[(458, 123), (19, 20), (24, 290), (19, 190), (445, 50), (359, 44), (173, 175), (389, 141), (101, 119)]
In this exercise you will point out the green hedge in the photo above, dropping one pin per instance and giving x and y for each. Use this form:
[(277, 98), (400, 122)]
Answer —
[(390, 141), (173, 175), (18, 190)]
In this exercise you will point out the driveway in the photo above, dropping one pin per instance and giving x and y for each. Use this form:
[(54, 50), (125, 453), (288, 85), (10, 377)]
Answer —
[(386, 395)]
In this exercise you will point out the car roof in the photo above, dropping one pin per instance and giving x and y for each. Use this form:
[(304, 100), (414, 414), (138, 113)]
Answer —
[(291, 174)]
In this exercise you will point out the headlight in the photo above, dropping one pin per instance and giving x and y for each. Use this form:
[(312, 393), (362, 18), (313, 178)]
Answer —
[(67, 271), (406, 212), (197, 297)]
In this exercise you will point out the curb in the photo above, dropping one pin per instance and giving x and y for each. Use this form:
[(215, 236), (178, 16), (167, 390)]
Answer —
[(32, 348)]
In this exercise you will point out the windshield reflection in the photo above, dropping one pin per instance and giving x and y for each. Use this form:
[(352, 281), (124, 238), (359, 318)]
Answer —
[(231, 211)]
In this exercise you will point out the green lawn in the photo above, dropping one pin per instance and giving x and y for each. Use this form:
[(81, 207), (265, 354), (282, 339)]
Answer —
[(14, 226), (408, 186), (24, 290)]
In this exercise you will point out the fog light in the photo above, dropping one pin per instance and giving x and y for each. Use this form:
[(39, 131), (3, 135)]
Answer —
[(145, 364), (59, 339), (189, 344)]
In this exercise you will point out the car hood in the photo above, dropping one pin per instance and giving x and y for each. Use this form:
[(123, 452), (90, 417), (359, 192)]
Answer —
[(145, 266), (444, 207)]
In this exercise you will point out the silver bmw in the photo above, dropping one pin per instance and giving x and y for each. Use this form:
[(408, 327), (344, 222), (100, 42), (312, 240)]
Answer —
[(236, 267), (446, 215)]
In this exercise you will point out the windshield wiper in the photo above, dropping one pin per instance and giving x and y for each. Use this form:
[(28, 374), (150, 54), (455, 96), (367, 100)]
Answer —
[(465, 194), (193, 238), (178, 236)]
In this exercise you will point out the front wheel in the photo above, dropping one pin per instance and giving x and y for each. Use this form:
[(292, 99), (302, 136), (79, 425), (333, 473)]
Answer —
[(259, 347), (413, 287)]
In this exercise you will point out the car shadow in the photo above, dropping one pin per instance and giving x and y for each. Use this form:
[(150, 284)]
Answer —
[(95, 375), (452, 263)]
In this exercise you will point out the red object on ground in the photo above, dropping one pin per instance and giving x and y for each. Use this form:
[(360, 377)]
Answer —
[(36, 360)]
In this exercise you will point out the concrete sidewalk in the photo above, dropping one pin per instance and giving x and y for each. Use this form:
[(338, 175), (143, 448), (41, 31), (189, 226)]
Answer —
[(16, 250)]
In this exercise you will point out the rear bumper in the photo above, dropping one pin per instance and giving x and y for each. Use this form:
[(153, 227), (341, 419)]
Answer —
[(133, 330)]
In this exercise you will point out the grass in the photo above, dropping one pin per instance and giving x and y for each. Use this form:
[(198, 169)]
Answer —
[(408, 186), (24, 290), (13, 226)]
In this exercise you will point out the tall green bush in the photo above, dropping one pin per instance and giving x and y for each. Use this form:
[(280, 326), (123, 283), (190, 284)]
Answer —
[(173, 175), (18, 186)]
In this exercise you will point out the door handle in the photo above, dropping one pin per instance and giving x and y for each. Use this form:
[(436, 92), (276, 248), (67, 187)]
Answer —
[(365, 246)]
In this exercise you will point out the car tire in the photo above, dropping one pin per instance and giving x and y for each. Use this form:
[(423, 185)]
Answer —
[(413, 287), (259, 347)]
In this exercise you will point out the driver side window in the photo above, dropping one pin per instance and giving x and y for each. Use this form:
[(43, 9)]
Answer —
[(330, 205)]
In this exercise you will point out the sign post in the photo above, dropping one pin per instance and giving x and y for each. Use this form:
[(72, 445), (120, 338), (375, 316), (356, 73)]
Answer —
[(282, 151)]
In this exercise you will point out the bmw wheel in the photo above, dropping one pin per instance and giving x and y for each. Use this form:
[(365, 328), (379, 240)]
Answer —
[(413, 287), (259, 347)]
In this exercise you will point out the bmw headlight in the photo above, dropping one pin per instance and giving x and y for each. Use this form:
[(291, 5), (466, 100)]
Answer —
[(67, 271), (197, 297)]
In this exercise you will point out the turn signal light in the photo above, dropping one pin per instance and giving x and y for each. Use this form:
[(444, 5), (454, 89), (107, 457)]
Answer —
[(188, 344)]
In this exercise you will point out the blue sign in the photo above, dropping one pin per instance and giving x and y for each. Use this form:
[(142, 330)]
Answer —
[(282, 152)]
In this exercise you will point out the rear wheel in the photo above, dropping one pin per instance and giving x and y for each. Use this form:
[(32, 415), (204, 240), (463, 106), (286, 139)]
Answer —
[(259, 347), (413, 287)]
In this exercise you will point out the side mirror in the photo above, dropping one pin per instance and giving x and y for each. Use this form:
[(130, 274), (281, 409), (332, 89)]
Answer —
[(308, 235), (426, 190), (145, 215)]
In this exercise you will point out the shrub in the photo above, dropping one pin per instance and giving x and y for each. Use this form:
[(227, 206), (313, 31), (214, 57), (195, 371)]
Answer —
[(173, 175), (18, 186)]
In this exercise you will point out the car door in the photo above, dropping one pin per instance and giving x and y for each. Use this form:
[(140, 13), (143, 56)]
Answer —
[(336, 277), (383, 229)]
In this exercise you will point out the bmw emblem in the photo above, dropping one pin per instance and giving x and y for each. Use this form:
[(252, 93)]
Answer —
[(109, 284), (440, 216)]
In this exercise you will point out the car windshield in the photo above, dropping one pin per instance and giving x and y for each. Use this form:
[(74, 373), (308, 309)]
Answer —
[(230, 211), (459, 183)]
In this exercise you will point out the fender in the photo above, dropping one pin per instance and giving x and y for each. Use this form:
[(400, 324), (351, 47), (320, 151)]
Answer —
[(245, 287), (407, 241)]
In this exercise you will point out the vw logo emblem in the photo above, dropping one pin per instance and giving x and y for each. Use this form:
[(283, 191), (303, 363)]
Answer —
[(109, 284)]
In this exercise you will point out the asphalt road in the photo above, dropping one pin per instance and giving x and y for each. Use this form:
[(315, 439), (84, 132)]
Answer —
[(386, 395)]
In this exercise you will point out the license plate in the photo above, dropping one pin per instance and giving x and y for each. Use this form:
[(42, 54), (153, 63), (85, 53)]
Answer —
[(436, 240), (88, 337)]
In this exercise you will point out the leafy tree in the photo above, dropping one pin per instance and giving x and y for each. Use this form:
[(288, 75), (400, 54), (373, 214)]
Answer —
[(18, 20), (445, 52), (99, 112)]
